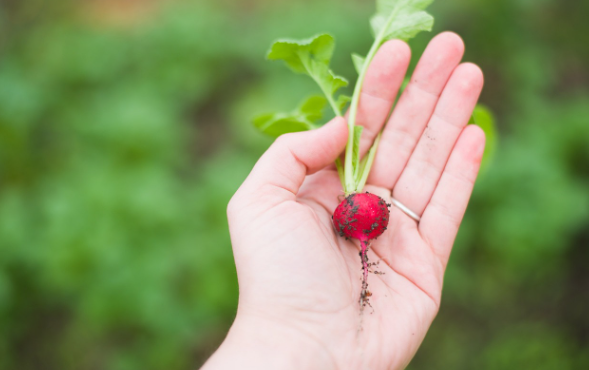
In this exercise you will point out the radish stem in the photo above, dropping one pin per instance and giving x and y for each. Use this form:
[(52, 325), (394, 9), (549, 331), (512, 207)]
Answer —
[(350, 185)]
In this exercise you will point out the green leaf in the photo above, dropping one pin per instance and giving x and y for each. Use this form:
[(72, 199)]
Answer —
[(401, 19), (297, 53), (483, 118), (302, 118), (280, 123), (336, 82), (312, 108), (312, 57), (342, 101), (358, 62), (356, 150)]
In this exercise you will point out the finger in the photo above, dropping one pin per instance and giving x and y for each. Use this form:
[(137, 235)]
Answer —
[(280, 172), (443, 215), (420, 177), (415, 108), (381, 85)]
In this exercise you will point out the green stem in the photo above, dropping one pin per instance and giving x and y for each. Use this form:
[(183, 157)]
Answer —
[(328, 95), (334, 106), (350, 185), (360, 169), (366, 170), (340, 169)]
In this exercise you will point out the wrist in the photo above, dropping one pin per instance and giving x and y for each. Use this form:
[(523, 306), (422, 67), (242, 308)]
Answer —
[(263, 343)]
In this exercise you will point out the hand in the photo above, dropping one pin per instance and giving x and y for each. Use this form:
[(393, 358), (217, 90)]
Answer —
[(299, 281)]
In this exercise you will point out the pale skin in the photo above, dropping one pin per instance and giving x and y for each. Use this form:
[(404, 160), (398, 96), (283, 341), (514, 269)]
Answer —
[(299, 281)]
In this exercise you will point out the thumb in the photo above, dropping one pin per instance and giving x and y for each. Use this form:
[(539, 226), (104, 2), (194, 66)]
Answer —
[(280, 172)]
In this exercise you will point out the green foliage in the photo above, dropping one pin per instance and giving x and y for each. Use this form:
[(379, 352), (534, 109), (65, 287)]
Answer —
[(301, 119), (109, 233), (342, 101), (397, 19), (401, 19), (311, 56), (358, 61)]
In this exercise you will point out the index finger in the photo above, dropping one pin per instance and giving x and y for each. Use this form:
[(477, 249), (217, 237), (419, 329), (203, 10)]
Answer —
[(379, 91)]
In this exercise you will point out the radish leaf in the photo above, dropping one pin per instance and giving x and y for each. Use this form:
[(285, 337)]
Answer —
[(301, 119), (312, 108), (394, 19), (276, 124), (342, 101), (311, 56), (401, 19), (358, 62)]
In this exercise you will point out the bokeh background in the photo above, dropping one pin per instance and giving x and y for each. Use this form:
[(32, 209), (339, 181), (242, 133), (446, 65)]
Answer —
[(125, 129)]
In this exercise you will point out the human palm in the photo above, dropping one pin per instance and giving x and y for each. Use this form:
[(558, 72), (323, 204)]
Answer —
[(299, 281)]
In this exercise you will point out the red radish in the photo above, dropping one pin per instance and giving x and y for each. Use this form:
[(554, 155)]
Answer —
[(362, 216)]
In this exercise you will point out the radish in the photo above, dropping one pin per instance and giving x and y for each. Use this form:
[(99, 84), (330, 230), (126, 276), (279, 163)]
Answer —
[(361, 216)]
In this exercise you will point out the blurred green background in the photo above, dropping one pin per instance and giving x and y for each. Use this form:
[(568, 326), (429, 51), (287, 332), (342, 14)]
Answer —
[(125, 129)]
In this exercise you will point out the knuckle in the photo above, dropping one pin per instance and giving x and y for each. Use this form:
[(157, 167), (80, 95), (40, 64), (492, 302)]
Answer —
[(284, 140)]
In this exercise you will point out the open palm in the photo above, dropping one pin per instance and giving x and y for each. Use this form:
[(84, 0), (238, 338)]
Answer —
[(299, 281)]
